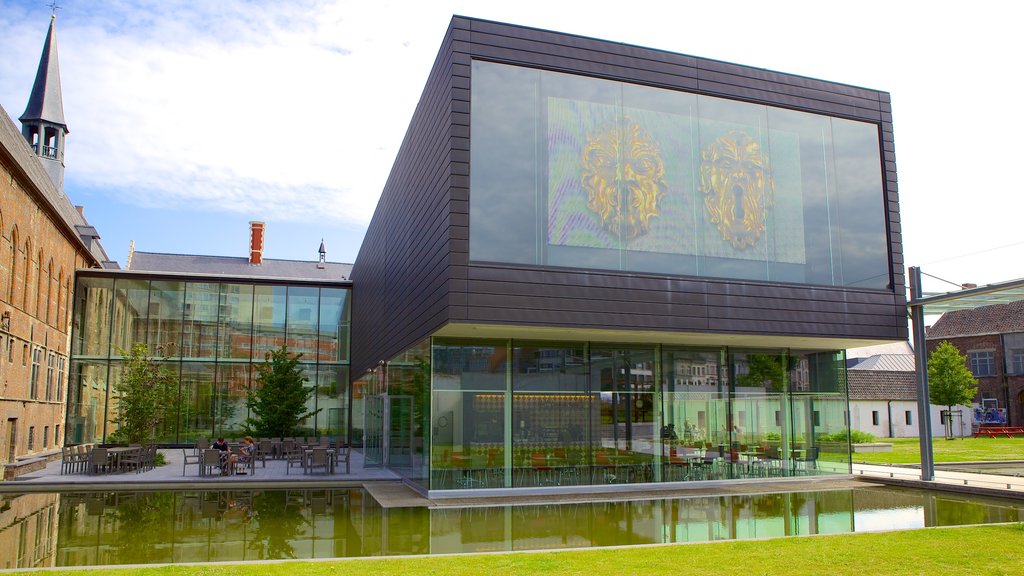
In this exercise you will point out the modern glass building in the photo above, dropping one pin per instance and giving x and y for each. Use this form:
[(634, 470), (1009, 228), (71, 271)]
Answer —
[(600, 266), (212, 331)]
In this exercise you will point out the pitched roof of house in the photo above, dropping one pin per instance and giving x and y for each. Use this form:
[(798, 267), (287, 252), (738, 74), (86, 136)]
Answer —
[(881, 385), (994, 319), (239, 266), (24, 160), (893, 362)]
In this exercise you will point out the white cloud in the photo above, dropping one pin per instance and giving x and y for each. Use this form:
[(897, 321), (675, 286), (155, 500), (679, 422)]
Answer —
[(253, 106)]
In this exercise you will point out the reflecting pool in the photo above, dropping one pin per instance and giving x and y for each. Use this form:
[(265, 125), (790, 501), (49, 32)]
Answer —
[(103, 528)]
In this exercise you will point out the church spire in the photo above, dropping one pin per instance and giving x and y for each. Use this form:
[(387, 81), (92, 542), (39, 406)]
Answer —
[(43, 121)]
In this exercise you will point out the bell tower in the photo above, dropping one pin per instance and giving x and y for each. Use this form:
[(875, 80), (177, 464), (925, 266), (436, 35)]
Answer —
[(43, 120)]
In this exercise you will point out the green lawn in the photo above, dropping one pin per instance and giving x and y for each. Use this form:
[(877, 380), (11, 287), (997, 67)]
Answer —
[(908, 450), (989, 550)]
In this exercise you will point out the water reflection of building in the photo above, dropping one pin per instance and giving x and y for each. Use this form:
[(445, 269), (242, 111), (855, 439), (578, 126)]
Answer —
[(28, 530), (115, 528)]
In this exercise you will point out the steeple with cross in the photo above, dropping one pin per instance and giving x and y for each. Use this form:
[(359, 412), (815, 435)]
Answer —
[(43, 123)]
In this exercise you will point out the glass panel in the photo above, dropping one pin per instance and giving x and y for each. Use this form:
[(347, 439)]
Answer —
[(761, 381), (131, 306), (308, 426), (462, 441), (87, 393), (331, 399), (303, 314), (235, 332), (334, 325), (693, 400), (268, 320), (93, 298), (624, 447), (230, 409), (589, 173), (166, 306), (199, 331), (198, 404), (553, 416)]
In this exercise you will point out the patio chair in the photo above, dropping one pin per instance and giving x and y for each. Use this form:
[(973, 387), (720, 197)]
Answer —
[(99, 460), (295, 455), (67, 459), (809, 460), (132, 460), (210, 461), (264, 449), (343, 454), (201, 444), (189, 459), (319, 458)]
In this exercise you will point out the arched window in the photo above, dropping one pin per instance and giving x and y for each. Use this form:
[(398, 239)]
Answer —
[(40, 290), (59, 312), (14, 261), (28, 273), (10, 273), (67, 304), (49, 289)]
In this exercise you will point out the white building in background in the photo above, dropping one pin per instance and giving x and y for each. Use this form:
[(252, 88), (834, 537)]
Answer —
[(883, 399)]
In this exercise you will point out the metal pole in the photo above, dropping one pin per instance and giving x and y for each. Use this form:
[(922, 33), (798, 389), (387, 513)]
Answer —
[(924, 421)]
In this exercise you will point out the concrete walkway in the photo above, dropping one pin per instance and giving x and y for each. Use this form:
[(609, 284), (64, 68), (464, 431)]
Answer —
[(950, 480)]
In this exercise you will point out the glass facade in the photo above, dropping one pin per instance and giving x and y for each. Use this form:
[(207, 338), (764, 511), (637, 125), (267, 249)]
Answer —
[(590, 173), (212, 334), (521, 414)]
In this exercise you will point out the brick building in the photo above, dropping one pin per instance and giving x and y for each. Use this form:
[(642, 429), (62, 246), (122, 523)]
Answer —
[(43, 239), (992, 338)]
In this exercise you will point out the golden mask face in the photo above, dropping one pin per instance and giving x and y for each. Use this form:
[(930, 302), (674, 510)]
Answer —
[(737, 184), (624, 177)]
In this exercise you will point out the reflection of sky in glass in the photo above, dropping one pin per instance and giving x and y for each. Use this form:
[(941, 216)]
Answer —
[(528, 204)]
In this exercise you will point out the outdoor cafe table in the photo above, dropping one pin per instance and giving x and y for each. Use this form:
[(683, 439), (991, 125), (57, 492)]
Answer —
[(114, 455)]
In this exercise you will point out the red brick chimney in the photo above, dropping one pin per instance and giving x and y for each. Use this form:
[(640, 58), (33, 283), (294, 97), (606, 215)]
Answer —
[(256, 243)]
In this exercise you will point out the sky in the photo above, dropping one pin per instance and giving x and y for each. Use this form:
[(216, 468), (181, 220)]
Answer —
[(188, 119)]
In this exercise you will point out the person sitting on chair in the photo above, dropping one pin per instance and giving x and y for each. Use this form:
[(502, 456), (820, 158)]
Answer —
[(244, 455)]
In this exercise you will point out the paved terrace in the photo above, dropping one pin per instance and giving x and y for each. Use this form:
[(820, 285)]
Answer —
[(387, 488), (275, 471)]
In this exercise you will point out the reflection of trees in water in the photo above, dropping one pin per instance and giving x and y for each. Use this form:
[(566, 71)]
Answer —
[(142, 519), (277, 524)]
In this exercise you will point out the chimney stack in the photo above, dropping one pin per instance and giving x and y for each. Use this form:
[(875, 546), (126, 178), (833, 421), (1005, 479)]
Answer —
[(256, 243)]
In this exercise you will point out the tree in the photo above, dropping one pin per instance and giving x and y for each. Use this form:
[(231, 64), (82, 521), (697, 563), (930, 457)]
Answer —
[(950, 383), (147, 396), (277, 404)]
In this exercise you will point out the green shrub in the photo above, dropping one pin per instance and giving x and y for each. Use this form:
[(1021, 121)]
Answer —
[(856, 437)]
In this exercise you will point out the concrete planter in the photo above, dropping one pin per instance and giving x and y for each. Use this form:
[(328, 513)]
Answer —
[(873, 447)]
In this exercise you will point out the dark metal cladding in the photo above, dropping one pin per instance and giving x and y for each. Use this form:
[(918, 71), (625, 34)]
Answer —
[(413, 273)]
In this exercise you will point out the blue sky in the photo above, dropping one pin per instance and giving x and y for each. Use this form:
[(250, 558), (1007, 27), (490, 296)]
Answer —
[(188, 119)]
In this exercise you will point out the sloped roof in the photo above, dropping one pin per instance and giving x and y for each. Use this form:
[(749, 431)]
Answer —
[(881, 385), (239, 266), (891, 362), (902, 347), (994, 319), (46, 102), (14, 146)]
